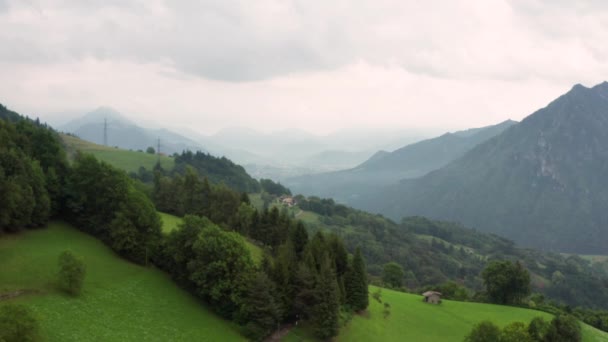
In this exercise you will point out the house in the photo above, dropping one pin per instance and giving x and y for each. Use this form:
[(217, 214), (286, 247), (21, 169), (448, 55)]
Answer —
[(288, 201), (432, 297)]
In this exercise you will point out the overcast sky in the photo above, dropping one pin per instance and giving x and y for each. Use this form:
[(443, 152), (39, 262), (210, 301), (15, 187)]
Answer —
[(314, 64)]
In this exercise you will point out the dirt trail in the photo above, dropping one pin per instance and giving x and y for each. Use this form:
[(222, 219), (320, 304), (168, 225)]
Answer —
[(14, 294)]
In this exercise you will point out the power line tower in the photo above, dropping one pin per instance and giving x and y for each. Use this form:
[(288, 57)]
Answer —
[(105, 132), (158, 150)]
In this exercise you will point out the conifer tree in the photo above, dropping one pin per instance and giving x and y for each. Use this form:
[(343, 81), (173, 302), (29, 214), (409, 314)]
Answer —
[(356, 283), (299, 237), (325, 313), (260, 310)]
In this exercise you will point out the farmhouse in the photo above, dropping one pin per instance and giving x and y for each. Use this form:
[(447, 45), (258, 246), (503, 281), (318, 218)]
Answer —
[(288, 200), (432, 297)]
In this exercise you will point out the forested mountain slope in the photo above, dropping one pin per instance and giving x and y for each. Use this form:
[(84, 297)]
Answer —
[(385, 168), (541, 183)]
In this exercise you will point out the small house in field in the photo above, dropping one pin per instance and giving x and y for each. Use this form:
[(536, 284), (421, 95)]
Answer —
[(432, 297)]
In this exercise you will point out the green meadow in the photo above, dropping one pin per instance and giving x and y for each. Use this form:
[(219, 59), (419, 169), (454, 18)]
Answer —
[(411, 319), (120, 301), (122, 159)]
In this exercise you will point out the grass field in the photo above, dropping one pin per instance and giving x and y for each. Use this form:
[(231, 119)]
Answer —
[(122, 159), (412, 320), (170, 222), (121, 301)]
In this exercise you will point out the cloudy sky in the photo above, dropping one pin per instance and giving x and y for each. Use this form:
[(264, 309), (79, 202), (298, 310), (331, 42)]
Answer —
[(316, 65)]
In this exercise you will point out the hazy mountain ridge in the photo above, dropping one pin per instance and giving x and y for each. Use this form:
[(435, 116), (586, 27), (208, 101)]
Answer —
[(126, 134), (541, 183), (385, 168)]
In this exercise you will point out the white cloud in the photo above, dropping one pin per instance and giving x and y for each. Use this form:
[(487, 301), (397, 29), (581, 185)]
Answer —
[(319, 65)]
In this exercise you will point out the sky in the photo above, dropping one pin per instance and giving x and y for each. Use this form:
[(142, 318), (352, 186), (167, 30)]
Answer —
[(315, 65)]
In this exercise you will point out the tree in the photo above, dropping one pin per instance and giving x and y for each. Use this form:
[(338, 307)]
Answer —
[(259, 309), (220, 268), (71, 273), (393, 274), (515, 332), (357, 295), (506, 282), (538, 328), (484, 331), (564, 328), (18, 324), (325, 317), (150, 150), (299, 237), (135, 231)]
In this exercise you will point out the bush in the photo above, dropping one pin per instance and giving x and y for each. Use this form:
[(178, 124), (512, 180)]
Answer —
[(483, 332), (564, 328), (537, 329), (71, 273), (18, 324), (515, 332)]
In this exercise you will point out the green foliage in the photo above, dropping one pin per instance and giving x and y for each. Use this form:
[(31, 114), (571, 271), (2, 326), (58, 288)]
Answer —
[(72, 271), (18, 324), (538, 328), (392, 275), (564, 328), (484, 331), (135, 231), (217, 170), (506, 282), (355, 283), (31, 164), (325, 312), (260, 311), (220, 268), (515, 332), (95, 192), (299, 238), (150, 150), (273, 188)]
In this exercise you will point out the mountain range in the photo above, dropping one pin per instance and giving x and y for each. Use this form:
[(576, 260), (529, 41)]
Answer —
[(385, 168), (275, 155), (542, 182), (124, 133)]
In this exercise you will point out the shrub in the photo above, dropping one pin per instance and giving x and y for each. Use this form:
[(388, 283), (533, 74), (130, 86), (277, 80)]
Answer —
[(484, 331), (18, 324), (71, 273)]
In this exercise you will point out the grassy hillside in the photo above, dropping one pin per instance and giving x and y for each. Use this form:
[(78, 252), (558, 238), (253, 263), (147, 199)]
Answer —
[(122, 159), (120, 301), (412, 320)]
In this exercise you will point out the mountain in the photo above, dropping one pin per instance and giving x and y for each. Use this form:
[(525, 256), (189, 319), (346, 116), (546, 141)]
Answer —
[(126, 134), (389, 167), (541, 183)]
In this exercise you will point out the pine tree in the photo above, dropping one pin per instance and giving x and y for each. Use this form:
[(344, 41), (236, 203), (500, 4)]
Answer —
[(260, 310), (325, 312), (356, 283), (299, 237)]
